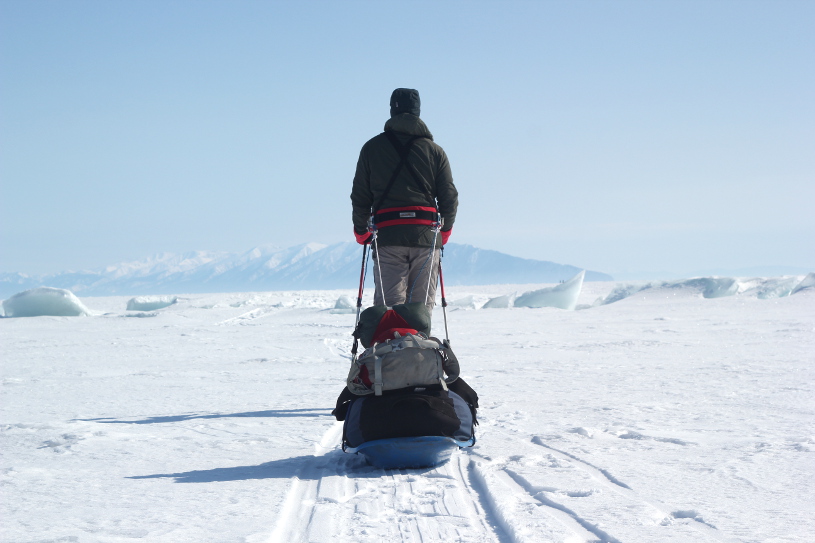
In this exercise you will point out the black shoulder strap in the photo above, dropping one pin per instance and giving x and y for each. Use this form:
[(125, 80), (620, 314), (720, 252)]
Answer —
[(420, 184), (403, 151)]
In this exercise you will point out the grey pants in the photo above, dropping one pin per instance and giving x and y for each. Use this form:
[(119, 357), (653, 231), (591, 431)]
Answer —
[(406, 272)]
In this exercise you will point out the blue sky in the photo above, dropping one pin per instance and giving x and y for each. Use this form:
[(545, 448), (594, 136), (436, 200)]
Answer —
[(617, 136)]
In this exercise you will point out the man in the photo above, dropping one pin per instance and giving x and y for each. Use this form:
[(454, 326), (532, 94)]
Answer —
[(404, 184)]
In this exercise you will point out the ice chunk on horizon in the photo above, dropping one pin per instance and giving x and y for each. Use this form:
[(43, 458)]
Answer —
[(807, 282), (344, 304), (562, 296), (774, 288), (718, 287), (622, 292), (150, 303), (711, 287), (45, 301), (468, 302), (499, 302)]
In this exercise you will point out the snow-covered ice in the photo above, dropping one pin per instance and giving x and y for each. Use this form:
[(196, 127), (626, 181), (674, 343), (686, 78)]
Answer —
[(664, 416), (150, 303)]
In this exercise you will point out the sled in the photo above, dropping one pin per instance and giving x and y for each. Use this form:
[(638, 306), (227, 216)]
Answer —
[(409, 452)]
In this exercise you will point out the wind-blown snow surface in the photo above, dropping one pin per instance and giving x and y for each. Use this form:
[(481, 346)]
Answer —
[(664, 416)]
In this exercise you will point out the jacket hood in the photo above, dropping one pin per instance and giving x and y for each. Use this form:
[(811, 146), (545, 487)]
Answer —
[(408, 124)]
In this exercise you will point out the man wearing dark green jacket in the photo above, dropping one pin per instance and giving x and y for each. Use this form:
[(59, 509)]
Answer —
[(403, 181)]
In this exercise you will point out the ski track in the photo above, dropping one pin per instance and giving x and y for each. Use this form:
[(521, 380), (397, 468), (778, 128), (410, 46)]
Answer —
[(579, 501), (340, 497), (670, 515), (246, 318), (338, 347), (476, 498), (540, 493)]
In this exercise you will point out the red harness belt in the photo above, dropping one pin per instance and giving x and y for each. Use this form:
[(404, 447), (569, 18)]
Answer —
[(392, 216)]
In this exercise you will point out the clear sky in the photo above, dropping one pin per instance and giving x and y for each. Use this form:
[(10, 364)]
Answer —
[(615, 136)]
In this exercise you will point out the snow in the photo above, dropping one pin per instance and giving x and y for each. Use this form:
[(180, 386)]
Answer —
[(44, 301), (664, 416), (150, 303)]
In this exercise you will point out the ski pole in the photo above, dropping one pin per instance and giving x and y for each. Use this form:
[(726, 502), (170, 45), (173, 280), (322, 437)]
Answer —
[(359, 299), (378, 270), (361, 282), (443, 299)]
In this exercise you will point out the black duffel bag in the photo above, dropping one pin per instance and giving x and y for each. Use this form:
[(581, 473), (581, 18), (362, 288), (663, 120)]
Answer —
[(408, 412)]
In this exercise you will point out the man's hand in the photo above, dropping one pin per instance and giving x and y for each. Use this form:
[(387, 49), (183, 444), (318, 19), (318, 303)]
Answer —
[(365, 238)]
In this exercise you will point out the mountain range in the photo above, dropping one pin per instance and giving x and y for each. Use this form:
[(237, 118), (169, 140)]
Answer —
[(308, 266)]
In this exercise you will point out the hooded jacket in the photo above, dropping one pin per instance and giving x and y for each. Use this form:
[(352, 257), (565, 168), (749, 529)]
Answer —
[(377, 162)]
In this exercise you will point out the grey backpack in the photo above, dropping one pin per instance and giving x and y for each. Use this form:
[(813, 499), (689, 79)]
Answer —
[(405, 361)]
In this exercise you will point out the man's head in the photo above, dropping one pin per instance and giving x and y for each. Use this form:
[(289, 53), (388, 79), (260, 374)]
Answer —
[(405, 101)]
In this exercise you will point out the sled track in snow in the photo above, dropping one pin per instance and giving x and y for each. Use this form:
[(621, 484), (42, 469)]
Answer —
[(539, 494), (340, 498), (248, 317)]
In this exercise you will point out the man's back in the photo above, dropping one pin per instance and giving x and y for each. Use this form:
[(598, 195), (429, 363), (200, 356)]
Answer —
[(425, 180)]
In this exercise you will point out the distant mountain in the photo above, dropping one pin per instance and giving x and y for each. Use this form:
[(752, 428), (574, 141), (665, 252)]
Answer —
[(308, 266), (468, 265)]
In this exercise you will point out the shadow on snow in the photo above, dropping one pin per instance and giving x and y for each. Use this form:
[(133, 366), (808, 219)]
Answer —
[(311, 412), (305, 468)]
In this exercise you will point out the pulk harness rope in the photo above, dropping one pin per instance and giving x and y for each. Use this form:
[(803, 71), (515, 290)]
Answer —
[(443, 299)]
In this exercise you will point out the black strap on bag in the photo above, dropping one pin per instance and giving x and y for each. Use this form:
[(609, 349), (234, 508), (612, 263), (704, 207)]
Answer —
[(403, 151), (343, 403)]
